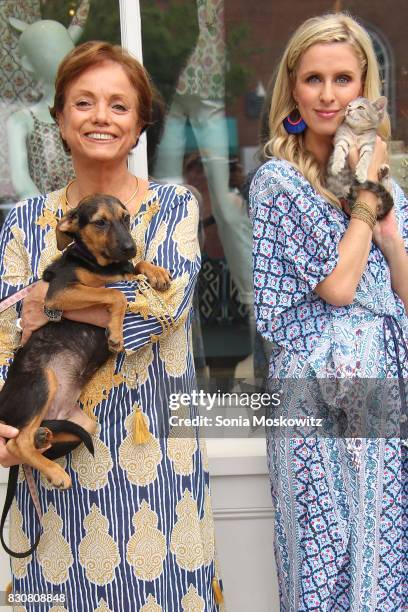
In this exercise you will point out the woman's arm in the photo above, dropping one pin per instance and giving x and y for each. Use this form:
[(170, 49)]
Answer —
[(339, 287), (388, 238), (151, 313)]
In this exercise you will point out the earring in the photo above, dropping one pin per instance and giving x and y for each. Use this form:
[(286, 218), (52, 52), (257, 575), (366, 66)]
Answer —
[(293, 123)]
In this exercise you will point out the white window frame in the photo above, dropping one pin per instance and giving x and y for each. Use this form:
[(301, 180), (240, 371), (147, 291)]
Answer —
[(131, 37)]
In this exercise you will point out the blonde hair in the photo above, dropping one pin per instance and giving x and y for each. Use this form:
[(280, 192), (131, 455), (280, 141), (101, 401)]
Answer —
[(329, 28)]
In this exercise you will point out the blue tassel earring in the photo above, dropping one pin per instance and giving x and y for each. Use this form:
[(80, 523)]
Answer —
[(293, 123)]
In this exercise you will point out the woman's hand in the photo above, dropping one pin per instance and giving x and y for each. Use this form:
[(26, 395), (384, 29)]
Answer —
[(33, 317), (7, 459), (386, 234)]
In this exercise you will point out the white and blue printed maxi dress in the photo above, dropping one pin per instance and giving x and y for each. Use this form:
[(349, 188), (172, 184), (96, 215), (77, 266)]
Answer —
[(341, 525), (135, 532)]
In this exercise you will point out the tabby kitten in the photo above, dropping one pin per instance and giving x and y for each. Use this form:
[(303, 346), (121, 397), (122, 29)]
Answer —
[(359, 128)]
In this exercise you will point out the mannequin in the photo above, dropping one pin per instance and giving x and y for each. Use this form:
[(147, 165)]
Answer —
[(38, 162), (199, 97)]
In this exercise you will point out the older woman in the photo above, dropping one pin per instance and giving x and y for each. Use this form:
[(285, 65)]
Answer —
[(135, 531)]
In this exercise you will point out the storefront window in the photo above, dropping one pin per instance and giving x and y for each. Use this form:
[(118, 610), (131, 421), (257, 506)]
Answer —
[(35, 35), (212, 61)]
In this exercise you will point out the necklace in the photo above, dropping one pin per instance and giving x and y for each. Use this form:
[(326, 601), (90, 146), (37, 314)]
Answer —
[(69, 205)]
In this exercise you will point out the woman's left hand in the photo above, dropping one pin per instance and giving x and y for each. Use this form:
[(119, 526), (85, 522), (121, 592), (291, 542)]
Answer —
[(386, 234)]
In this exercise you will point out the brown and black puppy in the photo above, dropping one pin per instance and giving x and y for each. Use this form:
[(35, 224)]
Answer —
[(44, 382)]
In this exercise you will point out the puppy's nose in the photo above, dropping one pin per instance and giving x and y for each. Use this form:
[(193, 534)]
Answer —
[(129, 249)]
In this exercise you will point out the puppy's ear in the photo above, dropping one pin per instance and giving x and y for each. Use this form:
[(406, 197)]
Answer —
[(66, 229)]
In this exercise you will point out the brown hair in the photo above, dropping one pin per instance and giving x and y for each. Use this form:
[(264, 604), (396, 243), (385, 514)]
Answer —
[(92, 53)]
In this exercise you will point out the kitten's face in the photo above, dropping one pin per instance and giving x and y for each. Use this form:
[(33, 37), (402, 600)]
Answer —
[(362, 115)]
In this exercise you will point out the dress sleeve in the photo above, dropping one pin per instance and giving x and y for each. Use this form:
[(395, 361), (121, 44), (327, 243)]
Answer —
[(295, 241), (15, 273), (152, 314)]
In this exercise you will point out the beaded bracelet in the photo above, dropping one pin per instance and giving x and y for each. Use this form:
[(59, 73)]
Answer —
[(363, 211)]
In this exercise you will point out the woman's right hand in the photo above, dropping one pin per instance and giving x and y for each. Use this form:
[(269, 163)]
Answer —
[(7, 459)]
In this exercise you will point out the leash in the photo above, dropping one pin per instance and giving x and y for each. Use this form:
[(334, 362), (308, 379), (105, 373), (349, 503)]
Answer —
[(16, 297), (13, 474), (11, 491)]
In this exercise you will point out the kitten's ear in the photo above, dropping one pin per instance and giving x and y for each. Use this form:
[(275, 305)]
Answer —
[(380, 104)]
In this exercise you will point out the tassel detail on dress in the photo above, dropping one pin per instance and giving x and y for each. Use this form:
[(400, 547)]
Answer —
[(141, 434), (218, 596)]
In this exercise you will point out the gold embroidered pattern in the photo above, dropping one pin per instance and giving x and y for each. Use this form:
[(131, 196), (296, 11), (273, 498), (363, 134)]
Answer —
[(139, 230), (100, 385), (182, 444), (9, 335), (47, 219), (49, 252), (53, 552), (192, 602), (17, 268), (146, 549), (207, 529), (92, 471), (139, 461), (58, 609), (98, 551), (151, 605), (173, 351), (158, 239), (135, 369), (18, 541), (102, 607), (204, 455), (185, 234), (185, 541)]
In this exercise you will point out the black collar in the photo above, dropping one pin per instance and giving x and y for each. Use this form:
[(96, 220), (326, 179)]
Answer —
[(80, 250)]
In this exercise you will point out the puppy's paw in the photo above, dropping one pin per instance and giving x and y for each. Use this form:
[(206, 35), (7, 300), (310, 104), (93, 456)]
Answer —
[(161, 279), (115, 341), (158, 277), (58, 478)]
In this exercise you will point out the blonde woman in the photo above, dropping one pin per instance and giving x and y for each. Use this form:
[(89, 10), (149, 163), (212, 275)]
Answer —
[(331, 292)]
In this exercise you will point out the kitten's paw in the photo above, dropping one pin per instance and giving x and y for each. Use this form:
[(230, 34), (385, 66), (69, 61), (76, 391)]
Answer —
[(383, 172), (361, 176), (337, 167)]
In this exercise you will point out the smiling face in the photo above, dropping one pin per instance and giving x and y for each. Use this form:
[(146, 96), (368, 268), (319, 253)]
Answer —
[(99, 120), (328, 77)]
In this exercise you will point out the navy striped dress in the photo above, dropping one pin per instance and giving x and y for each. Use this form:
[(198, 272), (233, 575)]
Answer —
[(135, 531)]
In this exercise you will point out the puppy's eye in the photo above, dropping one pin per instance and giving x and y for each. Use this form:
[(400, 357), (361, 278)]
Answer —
[(101, 223)]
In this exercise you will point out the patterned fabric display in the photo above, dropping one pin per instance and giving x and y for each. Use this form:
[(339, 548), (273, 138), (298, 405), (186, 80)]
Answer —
[(135, 531), (341, 536), (49, 165), (204, 73)]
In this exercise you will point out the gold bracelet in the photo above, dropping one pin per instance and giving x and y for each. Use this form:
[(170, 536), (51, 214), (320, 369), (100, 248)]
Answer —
[(366, 206), (364, 213)]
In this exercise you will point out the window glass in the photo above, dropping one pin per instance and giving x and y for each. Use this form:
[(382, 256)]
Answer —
[(34, 37), (212, 61)]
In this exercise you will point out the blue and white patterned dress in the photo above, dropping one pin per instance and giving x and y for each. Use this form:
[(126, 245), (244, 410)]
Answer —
[(341, 538), (135, 532)]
